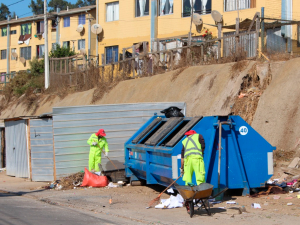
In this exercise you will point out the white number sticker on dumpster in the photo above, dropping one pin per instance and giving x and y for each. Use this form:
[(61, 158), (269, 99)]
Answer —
[(243, 130)]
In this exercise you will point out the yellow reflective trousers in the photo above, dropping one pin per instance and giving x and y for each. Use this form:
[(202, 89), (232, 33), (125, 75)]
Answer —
[(194, 163)]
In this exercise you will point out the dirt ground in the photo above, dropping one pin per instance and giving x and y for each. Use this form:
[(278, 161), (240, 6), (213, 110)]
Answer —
[(131, 202)]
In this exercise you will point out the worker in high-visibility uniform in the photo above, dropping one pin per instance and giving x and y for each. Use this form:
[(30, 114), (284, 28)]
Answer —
[(192, 157), (97, 141)]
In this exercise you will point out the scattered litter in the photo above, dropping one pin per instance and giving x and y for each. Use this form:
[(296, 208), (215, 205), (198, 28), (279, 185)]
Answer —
[(255, 206), (111, 185), (289, 203), (231, 202), (98, 173), (276, 197), (69, 182), (170, 190), (291, 192), (288, 197), (242, 95), (170, 203), (148, 207), (298, 196), (266, 203), (221, 207)]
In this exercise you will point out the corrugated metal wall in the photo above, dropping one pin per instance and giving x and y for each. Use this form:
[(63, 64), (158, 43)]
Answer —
[(72, 126), (41, 144), (275, 42), (247, 43), (16, 149)]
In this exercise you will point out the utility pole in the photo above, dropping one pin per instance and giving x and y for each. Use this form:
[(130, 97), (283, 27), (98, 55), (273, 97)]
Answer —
[(97, 22), (46, 46)]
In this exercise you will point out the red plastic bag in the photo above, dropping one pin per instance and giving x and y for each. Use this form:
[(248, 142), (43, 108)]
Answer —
[(93, 180)]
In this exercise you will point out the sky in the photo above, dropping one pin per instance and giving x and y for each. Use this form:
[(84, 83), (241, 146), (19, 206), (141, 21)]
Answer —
[(21, 8)]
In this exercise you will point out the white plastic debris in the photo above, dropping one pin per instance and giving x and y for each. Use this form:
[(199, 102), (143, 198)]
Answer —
[(111, 185), (289, 203), (170, 203), (255, 206), (231, 202), (170, 190), (98, 173)]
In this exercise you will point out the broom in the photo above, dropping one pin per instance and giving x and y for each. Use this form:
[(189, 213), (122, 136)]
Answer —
[(158, 197)]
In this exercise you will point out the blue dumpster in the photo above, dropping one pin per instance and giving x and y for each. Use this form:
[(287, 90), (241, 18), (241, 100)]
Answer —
[(153, 153)]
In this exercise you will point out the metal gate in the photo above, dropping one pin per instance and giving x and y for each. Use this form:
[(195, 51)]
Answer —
[(247, 44), (41, 145), (16, 149), (275, 42)]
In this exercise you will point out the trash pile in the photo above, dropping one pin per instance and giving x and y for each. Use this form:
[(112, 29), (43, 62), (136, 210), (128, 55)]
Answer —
[(67, 183), (170, 203)]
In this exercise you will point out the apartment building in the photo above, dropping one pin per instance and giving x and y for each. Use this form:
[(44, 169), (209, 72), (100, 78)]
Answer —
[(22, 39), (128, 22)]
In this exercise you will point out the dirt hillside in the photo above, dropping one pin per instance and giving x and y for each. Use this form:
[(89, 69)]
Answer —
[(207, 90)]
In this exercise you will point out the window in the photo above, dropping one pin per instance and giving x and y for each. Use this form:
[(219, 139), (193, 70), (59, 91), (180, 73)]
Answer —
[(53, 24), (40, 27), (4, 32), (67, 21), (40, 51), (166, 7), (26, 28), (66, 44), (13, 32), (231, 5), (13, 50), (109, 54), (201, 7), (3, 54), (81, 19), (112, 11), (81, 44), (142, 8), (26, 53)]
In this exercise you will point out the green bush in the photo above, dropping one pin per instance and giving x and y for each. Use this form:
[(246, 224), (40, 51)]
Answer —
[(60, 52)]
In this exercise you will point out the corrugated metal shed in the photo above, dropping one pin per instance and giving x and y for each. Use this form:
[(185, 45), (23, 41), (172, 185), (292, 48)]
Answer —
[(41, 145), (72, 126), (16, 148)]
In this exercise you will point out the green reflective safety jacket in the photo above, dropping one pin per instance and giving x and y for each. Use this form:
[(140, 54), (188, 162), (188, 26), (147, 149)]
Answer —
[(102, 143), (192, 146)]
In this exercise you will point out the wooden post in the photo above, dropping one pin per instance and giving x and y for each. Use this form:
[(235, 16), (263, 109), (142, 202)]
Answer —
[(76, 68), (29, 149), (237, 31), (65, 65), (257, 33), (171, 60), (112, 65), (133, 61), (103, 63), (202, 53), (60, 61), (145, 50), (219, 42), (54, 164)]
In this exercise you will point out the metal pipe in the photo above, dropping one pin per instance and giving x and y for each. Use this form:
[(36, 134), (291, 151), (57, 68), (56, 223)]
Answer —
[(262, 29), (8, 44), (46, 46), (89, 38), (97, 22)]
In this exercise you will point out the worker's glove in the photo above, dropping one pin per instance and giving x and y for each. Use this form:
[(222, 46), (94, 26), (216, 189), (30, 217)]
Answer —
[(94, 143), (106, 154), (181, 171)]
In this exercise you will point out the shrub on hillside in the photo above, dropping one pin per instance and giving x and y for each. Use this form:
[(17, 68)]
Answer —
[(60, 52)]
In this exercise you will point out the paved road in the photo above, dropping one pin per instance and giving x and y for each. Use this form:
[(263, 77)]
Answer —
[(18, 210)]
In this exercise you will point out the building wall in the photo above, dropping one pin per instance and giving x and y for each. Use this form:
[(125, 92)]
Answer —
[(66, 34), (130, 29)]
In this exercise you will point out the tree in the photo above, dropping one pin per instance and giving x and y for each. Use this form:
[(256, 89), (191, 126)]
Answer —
[(37, 7), (82, 3), (62, 4), (4, 12), (13, 15), (61, 52)]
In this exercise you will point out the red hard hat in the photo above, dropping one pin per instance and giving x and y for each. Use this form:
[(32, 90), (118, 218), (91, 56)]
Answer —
[(101, 132), (190, 132)]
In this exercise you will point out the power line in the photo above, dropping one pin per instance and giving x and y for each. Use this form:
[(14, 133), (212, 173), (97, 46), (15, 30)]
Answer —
[(24, 14), (15, 3)]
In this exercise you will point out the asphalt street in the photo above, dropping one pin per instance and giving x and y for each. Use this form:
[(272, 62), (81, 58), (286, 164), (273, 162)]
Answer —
[(19, 210)]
